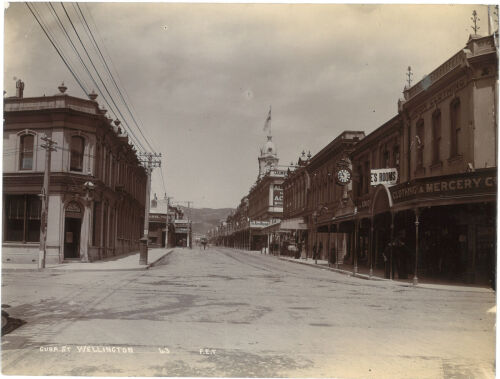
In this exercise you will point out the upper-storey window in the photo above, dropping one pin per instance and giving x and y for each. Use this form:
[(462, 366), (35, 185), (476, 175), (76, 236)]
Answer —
[(395, 156), (26, 152), (366, 173), (360, 186), (419, 143), (77, 147), (454, 127), (436, 136), (385, 158)]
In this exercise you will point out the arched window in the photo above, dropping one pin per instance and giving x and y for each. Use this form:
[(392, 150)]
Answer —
[(436, 136), (26, 152), (77, 148), (454, 127)]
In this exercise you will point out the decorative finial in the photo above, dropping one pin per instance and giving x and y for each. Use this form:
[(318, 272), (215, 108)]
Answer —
[(309, 155), (475, 19), (409, 75), (117, 122), (103, 110), (92, 95), (303, 153), (62, 88)]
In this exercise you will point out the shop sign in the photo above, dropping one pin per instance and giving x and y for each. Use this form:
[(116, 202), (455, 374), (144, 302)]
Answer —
[(386, 176), (73, 207), (363, 204), (472, 183), (276, 172), (277, 196), (259, 224), (181, 230), (153, 217)]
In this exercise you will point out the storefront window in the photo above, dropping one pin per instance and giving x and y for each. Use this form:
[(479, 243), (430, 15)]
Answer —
[(22, 213)]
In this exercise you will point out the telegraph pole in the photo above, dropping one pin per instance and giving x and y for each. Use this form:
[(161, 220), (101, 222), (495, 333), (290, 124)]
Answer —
[(168, 207), (49, 148), (149, 160)]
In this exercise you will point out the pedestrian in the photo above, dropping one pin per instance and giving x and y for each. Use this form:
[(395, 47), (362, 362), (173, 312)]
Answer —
[(387, 260), (333, 256), (314, 251), (320, 249), (298, 253), (401, 254)]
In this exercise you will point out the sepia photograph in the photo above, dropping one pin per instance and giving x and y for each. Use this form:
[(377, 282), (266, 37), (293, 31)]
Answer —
[(256, 190)]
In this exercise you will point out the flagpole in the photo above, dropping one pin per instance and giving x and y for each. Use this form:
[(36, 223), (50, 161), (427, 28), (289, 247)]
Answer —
[(270, 120)]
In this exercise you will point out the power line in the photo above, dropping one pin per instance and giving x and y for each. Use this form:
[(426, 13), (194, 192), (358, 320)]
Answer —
[(111, 75), (114, 67), (97, 72), (53, 41), (54, 13), (163, 181), (55, 47), (60, 50)]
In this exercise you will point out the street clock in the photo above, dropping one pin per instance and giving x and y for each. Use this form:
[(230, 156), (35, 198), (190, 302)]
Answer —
[(343, 176)]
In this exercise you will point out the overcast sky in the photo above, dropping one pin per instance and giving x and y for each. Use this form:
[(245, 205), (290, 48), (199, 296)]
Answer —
[(201, 77)]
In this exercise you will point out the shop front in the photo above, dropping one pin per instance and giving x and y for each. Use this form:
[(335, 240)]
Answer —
[(449, 225)]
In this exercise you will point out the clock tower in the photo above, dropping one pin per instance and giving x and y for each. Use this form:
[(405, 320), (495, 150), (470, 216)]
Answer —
[(268, 158)]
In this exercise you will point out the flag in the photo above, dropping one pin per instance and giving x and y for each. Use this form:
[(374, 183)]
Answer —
[(267, 124)]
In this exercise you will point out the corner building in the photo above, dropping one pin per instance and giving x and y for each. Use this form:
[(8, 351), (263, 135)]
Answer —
[(84, 225)]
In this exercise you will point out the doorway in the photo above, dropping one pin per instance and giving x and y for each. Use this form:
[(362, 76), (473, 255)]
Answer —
[(72, 228)]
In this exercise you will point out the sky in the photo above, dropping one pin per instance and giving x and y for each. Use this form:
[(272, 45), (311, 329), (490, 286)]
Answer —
[(200, 78)]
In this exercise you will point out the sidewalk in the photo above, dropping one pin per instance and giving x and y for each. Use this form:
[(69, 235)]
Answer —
[(323, 264), (121, 263)]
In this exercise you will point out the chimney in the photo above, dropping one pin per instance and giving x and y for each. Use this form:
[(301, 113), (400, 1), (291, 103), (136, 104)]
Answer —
[(19, 88)]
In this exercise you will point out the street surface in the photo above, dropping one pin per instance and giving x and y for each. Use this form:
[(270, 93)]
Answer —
[(228, 313)]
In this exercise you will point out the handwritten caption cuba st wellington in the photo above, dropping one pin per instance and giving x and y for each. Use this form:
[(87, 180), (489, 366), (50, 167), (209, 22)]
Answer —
[(109, 349)]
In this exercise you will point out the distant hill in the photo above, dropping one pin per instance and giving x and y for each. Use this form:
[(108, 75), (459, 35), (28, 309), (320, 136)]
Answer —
[(205, 219)]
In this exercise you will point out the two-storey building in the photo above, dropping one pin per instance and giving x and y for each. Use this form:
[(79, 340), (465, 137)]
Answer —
[(448, 189), (102, 219), (428, 177), (329, 198)]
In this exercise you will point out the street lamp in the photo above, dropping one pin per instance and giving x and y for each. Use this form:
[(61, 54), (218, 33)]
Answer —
[(315, 247), (88, 188)]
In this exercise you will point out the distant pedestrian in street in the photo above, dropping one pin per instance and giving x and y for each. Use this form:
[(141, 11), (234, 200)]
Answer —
[(204, 243), (314, 251), (387, 260)]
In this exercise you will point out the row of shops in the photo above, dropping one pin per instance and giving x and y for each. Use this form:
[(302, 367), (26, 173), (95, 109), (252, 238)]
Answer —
[(413, 200), (167, 225)]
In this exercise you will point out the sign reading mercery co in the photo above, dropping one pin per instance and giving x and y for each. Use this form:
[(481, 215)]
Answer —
[(387, 176), (479, 183)]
